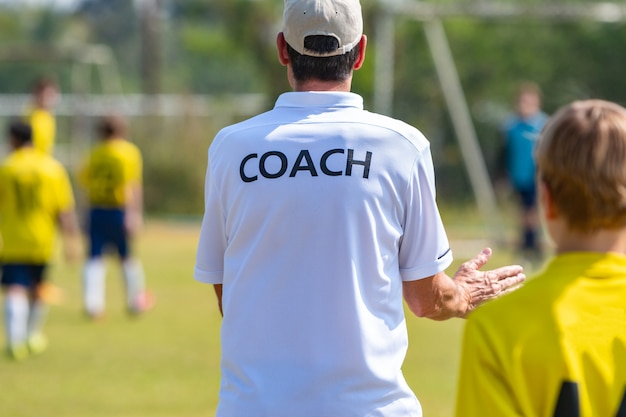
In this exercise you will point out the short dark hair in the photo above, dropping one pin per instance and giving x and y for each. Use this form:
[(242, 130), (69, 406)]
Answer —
[(332, 68), (112, 125), (20, 131), (42, 83)]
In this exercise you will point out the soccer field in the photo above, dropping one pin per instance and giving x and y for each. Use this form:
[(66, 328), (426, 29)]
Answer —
[(166, 362)]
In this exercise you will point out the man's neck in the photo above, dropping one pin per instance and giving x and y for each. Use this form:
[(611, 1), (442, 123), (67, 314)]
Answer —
[(21, 146), (317, 85)]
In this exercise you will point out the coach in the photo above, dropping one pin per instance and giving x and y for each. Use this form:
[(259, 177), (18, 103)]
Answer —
[(310, 266)]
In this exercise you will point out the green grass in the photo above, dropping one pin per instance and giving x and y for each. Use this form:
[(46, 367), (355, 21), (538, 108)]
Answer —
[(166, 362)]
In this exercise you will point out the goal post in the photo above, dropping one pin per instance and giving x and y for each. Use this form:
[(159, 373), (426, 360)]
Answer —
[(431, 16)]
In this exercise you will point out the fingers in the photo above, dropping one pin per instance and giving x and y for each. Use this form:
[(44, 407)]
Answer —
[(480, 286), (514, 280), (493, 284), (503, 284), (479, 260), (496, 284), (511, 288), (505, 272)]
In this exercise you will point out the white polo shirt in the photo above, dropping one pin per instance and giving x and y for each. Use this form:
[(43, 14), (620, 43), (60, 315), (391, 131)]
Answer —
[(316, 211)]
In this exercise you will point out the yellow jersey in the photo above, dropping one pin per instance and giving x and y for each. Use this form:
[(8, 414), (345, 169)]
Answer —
[(34, 190), (556, 347), (112, 166), (43, 124)]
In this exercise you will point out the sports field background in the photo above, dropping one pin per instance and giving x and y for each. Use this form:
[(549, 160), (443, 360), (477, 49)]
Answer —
[(166, 362)]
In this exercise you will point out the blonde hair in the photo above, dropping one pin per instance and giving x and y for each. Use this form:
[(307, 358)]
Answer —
[(581, 157)]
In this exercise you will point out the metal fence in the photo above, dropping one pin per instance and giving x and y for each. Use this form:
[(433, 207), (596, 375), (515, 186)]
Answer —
[(75, 114)]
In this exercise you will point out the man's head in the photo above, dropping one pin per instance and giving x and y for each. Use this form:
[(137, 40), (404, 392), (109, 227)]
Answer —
[(528, 100), (19, 134), (111, 126), (324, 38), (45, 92), (339, 19), (581, 161)]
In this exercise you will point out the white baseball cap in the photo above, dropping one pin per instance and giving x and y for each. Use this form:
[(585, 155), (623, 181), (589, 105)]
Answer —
[(340, 19)]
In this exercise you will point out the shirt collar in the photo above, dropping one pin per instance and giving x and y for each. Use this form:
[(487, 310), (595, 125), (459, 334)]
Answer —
[(590, 264), (320, 99)]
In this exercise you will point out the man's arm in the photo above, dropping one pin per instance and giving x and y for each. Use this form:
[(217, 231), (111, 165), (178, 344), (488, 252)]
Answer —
[(218, 293), (440, 297), (70, 231), (134, 208)]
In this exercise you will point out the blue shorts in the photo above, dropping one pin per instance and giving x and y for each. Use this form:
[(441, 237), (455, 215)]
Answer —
[(528, 197), (25, 275), (107, 231)]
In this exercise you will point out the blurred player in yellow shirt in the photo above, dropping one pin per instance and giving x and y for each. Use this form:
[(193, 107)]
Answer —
[(112, 177), (35, 196), (557, 346), (40, 117)]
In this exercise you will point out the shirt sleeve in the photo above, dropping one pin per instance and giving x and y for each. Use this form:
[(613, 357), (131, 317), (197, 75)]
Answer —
[(482, 389), (136, 166), (424, 249), (212, 242), (64, 192), (131, 164), (2, 185)]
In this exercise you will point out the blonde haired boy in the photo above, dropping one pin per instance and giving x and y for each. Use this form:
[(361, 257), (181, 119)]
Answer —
[(557, 347)]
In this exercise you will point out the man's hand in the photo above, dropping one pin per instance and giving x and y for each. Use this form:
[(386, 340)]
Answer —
[(72, 249), (478, 286), (441, 297), (133, 222)]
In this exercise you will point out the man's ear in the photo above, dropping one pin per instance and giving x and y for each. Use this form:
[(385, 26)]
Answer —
[(547, 201), (281, 46), (362, 46)]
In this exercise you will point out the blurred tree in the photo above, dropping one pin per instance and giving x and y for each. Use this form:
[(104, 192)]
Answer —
[(115, 23), (24, 50), (151, 46), (228, 42)]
